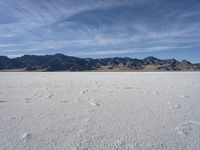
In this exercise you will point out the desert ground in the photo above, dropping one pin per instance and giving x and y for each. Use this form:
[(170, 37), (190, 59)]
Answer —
[(100, 111)]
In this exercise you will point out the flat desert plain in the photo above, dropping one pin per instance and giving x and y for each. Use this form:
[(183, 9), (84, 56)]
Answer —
[(100, 111)]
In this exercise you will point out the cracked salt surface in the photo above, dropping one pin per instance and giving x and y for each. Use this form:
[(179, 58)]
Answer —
[(100, 111)]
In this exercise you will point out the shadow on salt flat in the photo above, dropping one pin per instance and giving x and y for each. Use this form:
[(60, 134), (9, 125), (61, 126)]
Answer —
[(26, 137), (28, 100), (94, 104), (128, 88), (49, 96), (96, 84), (83, 92), (64, 101), (3, 101), (183, 96)]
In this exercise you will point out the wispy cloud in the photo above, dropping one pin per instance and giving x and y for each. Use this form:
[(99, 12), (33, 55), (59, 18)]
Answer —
[(98, 27)]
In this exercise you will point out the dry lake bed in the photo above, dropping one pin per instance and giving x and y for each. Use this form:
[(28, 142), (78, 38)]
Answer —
[(100, 111)]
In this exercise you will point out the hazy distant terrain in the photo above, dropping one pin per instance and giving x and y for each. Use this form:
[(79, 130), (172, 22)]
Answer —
[(100, 111), (60, 62)]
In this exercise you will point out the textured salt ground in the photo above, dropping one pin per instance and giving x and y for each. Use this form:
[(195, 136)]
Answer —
[(100, 111)]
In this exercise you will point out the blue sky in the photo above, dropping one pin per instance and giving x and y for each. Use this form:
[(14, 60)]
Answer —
[(101, 28)]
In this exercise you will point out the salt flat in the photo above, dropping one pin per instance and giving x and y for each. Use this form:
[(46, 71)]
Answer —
[(100, 111)]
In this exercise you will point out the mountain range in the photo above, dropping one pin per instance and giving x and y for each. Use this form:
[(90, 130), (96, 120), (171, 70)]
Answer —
[(60, 62)]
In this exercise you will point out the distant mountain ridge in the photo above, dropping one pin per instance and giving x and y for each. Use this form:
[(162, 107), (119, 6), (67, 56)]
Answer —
[(60, 62)]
